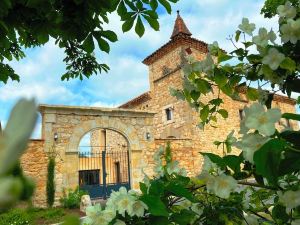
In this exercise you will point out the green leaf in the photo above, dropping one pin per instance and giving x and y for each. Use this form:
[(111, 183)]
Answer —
[(222, 56), (290, 163), (128, 24), (180, 191), (215, 159), (154, 4), (267, 159), (122, 10), (288, 64), (88, 44), (152, 22), (292, 136), (237, 35), (279, 212), (166, 4), (203, 86), (109, 35), (233, 162), (156, 188), (291, 116), (204, 112), (158, 220), (252, 94), (155, 205), (195, 95), (220, 79), (143, 188), (223, 113), (103, 45), (139, 27)]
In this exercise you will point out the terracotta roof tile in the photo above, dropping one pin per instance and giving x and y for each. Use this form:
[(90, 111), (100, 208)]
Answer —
[(137, 100), (180, 27)]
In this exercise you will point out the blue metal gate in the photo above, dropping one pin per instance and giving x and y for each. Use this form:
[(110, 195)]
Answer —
[(102, 172)]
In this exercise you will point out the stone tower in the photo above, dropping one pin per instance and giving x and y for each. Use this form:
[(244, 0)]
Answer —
[(165, 71)]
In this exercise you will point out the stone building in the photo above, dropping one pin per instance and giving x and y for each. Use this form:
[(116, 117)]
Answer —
[(121, 141), (175, 120)]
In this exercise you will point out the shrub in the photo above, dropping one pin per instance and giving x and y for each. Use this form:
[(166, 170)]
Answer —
[(50, 182), (15, 217), (71, 199)]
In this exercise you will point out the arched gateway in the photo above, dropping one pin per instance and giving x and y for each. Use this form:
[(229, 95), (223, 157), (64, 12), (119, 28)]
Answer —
[(98, 149)]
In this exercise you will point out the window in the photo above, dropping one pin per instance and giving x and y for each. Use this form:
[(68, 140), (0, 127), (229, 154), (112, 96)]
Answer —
[(169, 114), (89, 177), (241, 114), (118, 172)]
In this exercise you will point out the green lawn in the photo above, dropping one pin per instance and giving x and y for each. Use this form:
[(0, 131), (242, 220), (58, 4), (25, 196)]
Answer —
[(32, 216)]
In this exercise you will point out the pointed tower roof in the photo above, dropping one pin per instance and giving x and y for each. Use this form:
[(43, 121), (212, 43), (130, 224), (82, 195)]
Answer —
[(180, 27), (181, 36)]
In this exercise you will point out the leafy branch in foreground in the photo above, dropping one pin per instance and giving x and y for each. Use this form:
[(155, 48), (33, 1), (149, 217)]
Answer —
[(75, 25)]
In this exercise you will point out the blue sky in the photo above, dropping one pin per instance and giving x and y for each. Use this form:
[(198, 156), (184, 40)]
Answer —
[(208, 20)]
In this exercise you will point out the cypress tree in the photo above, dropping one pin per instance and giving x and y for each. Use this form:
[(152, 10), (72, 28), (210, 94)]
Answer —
[(50, 182)]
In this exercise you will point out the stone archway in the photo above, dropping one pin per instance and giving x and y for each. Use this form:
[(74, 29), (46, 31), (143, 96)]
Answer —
[(71, 123)]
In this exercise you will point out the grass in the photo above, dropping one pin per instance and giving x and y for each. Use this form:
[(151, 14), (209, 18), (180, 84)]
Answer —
[(33, 216)]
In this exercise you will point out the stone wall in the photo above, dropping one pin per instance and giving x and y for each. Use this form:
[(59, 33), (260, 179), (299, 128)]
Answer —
[(34, 163)]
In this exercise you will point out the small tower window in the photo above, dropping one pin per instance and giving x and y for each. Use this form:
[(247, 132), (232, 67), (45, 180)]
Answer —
[(169, 114)]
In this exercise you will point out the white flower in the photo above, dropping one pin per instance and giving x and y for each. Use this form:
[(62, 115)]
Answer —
[(138, 209), (96, 216), (273, 58), (290, 199), (247, 27), (250, 143), (290, 32), (256, 117), (287, 10), (221, 185), (119, 222), (124, 204), (263, 37)]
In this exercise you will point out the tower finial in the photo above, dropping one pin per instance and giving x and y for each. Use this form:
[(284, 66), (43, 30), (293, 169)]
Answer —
[(180, 27)]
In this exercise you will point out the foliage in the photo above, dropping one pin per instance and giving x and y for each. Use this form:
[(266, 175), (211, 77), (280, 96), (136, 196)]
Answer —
[(71, 199), (32, 216), (260, 185), (14, 185), (50, 188), (16, 217), (75, 26)]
